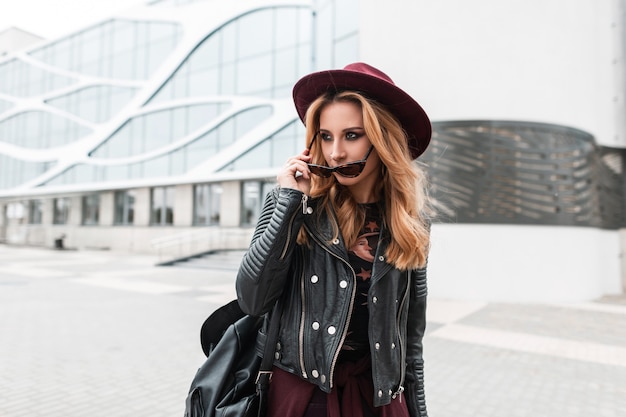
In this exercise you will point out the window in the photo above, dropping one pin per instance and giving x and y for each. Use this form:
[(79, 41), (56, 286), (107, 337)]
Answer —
[(148, 132), (240, 59), (272, 152), (14, 172), (124, 207), (39, 130), (162, 213), (19, 78), (61, 210), (97, 103), (207, 198), (114, 49), (15, 212), (34, 212), (252, 198), (91, 209)]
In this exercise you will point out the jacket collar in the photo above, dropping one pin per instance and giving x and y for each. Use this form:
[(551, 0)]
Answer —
[(320, 229)]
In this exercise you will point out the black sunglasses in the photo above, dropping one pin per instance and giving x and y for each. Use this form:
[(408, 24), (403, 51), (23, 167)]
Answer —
[(349, 170)]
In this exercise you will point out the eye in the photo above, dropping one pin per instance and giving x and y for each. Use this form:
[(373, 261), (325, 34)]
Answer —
[(353, 135), (325, 136)]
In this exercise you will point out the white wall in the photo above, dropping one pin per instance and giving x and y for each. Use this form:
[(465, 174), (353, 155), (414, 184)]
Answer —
[(141, 237), (134, 239), (523, 263), (530, 60)]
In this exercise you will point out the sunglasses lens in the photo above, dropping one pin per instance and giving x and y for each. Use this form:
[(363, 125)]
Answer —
[(320, 170), (350, 170)]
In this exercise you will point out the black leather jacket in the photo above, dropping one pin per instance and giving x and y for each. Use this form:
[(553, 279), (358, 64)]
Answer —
[(321, 285)]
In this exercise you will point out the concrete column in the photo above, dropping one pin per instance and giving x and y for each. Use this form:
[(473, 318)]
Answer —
[(230, 204), (75, 217), (26, 218), (3, 214), (107, 208), (47, 211), (142, 207), (183, 205)]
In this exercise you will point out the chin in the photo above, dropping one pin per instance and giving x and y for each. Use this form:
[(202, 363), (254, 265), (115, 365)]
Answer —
[(345, 181)]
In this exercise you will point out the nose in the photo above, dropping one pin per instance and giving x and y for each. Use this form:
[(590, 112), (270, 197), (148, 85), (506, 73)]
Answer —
[(337, 152)]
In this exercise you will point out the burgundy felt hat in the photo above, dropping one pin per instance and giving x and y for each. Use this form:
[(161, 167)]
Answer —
[(373, 84)]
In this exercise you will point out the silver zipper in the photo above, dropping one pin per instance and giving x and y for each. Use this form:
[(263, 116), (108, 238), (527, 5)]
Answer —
[(398, 392), (301, 333), (352, 297), (402, 350)]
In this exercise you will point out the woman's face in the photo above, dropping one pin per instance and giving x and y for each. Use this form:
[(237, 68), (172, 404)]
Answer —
[(343, 139)]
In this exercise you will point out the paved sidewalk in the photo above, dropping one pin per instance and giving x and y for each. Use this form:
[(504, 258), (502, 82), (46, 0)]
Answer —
[(108, 334)]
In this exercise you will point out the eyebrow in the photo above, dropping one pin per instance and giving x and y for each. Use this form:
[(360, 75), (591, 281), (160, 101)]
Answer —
[(345, 130)]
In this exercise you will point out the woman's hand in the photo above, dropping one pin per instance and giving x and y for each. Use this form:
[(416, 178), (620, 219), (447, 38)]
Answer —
[(295, 173)]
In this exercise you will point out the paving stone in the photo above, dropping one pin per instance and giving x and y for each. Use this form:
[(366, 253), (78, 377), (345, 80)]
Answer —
[(86, 333), (561, 322)]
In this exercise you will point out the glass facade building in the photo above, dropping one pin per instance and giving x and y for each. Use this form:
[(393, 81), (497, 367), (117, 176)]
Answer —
[(140, 122)]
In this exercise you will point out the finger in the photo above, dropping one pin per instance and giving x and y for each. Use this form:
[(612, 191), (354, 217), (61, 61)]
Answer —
[(297, 164), (294, 160), (303, 157)]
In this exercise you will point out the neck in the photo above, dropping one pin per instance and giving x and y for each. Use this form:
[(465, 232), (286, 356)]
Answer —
[(363, 193)]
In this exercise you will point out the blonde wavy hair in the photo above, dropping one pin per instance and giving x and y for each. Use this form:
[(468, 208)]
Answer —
[(403, 189)]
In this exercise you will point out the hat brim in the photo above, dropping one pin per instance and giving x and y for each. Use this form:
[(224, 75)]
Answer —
[(409, 113)]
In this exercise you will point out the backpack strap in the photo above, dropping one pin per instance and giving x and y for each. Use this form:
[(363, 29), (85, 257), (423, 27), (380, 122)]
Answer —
[(264, 376)]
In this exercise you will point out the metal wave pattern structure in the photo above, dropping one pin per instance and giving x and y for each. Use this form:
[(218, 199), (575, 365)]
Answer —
[(510, 172)]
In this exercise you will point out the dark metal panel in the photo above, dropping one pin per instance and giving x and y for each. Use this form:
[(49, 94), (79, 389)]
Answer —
[(511, 172)]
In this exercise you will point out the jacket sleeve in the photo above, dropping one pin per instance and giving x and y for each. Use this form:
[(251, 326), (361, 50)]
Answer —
[(265, 266), (416, 323)]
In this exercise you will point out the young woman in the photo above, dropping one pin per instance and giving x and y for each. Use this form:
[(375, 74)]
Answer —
[(343, 241)]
